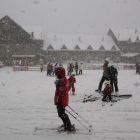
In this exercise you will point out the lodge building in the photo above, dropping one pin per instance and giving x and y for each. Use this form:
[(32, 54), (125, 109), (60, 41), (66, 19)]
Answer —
[(27, 43)]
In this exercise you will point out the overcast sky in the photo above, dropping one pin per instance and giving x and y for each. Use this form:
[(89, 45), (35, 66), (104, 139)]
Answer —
[(73, 16)]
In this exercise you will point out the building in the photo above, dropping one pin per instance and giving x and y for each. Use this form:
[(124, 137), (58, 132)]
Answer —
[(17, 42), (128, 41), (80, 48)]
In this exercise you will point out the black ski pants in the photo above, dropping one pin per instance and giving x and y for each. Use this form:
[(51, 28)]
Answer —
[(64, 117), (114, 83), (101, 82), (80, 71)]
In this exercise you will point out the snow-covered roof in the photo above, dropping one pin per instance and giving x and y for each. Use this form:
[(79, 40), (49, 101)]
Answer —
[(36, 30), (129, 54), (123, 34), (83, 42)]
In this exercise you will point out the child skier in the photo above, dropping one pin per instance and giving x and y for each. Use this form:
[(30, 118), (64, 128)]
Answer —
[(72, 80), (107, 91), (61, 99)]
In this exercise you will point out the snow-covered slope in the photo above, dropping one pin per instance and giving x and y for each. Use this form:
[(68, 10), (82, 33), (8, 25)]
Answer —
[(26, 101)]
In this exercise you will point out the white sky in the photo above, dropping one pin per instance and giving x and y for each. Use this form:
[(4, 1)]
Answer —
[(73, 16)]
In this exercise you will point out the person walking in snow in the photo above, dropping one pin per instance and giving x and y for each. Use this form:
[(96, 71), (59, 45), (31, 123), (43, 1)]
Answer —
[(61, 98), (81, 68), (105, 75), (71, 81), (112, 74), (107, 92)]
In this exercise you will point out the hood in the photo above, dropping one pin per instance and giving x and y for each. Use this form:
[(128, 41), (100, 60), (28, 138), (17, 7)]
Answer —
[(60, 72)]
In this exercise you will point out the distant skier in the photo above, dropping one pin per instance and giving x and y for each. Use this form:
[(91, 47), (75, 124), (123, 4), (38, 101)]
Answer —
[(113, 73), (41, 67), (107, 92), (51, 70), (76, 68), (105, 75), (137, 67), (81, 68), (61, 98), (48, 68), (69, 68), (72, 80), (60, 64)]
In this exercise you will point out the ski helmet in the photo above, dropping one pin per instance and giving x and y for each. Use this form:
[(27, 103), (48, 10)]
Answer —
[(107, 60), (106, 83), (73, 74)]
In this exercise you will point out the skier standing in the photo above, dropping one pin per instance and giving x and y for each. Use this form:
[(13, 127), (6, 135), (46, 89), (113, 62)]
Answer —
[(69, 68), (105, 75), (48, 69), (107, 91), (113, 73), (76, 68), (81, 68), (137, 67), (51, 70), (72, 80), (41, 67), (61, 98), (60, 64)]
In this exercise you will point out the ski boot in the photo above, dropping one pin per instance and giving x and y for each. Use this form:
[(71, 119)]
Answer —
[(72, 129)]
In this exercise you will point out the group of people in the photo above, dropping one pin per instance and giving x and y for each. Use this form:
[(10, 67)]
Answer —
[(51, 68), (110, 80), (71, 68)]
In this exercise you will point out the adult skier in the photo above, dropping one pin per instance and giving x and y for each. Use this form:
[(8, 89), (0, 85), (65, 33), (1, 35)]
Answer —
[(69, 68), (76, 68), (105, 75), (61, 99), (113, 73), (81, 68), (41, 67), (137, 67)]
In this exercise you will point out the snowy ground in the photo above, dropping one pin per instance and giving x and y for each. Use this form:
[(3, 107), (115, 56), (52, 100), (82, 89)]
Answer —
[(26, 101)]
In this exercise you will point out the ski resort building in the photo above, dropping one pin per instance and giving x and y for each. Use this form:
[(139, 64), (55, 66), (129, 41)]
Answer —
[(80, 48), (17, 42)]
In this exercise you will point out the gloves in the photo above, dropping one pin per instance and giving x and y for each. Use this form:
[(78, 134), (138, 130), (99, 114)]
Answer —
[(58, 102)]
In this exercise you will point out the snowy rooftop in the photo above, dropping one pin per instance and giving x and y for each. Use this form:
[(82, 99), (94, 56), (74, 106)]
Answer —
[(83, 41), (126, 34), (129, 54), (36, 30)]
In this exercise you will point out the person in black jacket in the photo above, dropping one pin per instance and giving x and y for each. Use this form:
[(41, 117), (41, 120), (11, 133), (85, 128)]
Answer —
[(113, 73), (76, 68)]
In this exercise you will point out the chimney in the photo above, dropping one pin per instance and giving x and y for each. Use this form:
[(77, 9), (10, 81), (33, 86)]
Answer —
[(79, 38), (135, 30), (32, 34)]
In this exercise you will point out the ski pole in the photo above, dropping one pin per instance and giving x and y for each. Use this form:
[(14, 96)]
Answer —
[(78, 120), (80, 116)]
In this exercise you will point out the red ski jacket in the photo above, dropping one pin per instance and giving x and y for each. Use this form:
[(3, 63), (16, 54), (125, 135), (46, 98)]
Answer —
[(107, 90), (72, 80), (61, 92)]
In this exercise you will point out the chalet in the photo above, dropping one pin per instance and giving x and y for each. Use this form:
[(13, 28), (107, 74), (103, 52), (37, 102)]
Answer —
[(17, 42), (80, 48), (128, 40)]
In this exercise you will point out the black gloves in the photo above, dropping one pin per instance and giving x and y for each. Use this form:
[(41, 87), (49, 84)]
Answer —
[(58, 102)]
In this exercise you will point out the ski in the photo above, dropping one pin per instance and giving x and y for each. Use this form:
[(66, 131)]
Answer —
[(91, 99), (124, 95), (55, 130)]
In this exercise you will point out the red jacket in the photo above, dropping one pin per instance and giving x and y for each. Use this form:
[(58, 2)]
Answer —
[(72, 80), (61, 92), (107, 90)]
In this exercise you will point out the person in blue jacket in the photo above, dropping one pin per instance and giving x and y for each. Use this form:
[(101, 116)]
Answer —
[(60, 64), (113, 73)]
